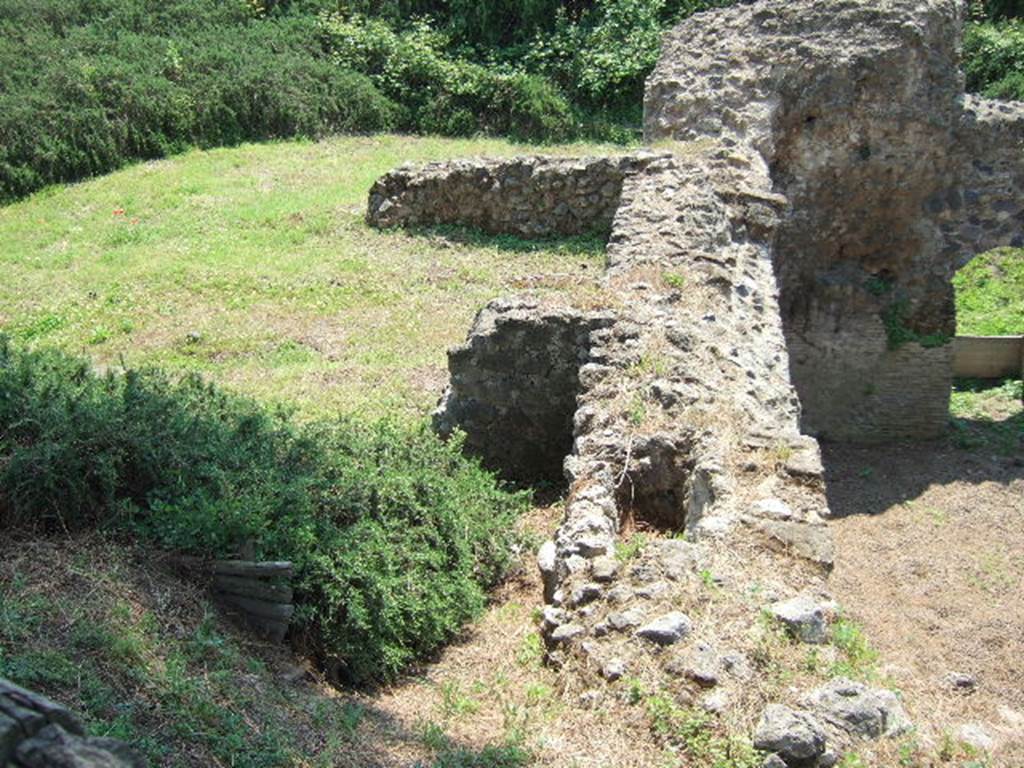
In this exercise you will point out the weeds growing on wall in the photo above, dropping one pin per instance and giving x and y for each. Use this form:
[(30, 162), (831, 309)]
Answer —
[(396, 535)]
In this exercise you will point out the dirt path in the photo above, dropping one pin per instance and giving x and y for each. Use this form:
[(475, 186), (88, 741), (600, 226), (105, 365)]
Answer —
[(930, 560), (489, 701)]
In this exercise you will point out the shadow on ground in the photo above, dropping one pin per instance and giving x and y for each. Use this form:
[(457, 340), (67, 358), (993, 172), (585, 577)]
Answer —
[(868, 480)]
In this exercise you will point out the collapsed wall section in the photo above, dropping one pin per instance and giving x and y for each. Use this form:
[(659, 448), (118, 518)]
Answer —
[(525, 196), (791, 237)]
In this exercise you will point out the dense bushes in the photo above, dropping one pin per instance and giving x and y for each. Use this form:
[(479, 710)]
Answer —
[(396, 535), (440, 93), (994, 59), (85, 91), (87, 85)]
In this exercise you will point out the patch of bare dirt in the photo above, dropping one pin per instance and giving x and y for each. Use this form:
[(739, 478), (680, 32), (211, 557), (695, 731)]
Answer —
[(491, 688), (930, 560)]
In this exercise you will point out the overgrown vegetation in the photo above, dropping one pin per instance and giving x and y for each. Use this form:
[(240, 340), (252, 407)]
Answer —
[(113, 632), (994, 49), (990, 294), (696, 736), (395, 535), (88, 85)]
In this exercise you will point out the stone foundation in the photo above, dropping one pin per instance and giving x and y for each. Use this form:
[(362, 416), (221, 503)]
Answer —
[(526, 196), (514, 386)]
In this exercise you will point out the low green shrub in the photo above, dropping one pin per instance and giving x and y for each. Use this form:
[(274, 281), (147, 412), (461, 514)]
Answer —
[(395, 534)]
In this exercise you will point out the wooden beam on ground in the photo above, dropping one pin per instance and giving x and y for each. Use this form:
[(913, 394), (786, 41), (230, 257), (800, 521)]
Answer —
[(254, 588), (252, 569)]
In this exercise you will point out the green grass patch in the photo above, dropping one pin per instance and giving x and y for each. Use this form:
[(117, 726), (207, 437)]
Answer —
[(990, 294), (253, 266), (988, 415), (859, 660)]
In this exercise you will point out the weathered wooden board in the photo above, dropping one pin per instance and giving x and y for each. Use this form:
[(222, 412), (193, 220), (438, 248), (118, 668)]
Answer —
[(252, 569), (255, 588), (261, 608)]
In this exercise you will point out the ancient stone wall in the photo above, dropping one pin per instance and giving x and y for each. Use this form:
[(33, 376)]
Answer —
[(987, 210), (514, 386), (38, 733), (853, 110), (526, 196)]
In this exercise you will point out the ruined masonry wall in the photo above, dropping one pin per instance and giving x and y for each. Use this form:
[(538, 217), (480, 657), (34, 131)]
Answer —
[(794, 219), (853, 109), (988, 211), (526, 196)]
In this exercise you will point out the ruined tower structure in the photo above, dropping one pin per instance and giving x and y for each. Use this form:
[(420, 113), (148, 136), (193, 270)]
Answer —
[(779, 270)]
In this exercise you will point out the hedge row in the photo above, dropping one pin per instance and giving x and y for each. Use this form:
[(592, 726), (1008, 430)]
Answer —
[(396, 535)]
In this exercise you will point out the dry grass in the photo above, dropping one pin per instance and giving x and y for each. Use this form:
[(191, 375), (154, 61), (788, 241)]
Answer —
[(930, 559)]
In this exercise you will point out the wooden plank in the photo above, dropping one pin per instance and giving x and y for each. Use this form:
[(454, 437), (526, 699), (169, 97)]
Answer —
[(988, 357), (253, 569), (260, 608), (238, 585), (274, 631)]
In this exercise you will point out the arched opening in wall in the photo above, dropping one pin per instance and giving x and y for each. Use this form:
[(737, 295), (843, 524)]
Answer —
[(653, 492), (987, 403)]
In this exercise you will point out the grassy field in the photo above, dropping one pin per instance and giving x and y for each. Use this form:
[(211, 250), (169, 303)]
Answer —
[(990, 302), (254, 265), (990, 294)]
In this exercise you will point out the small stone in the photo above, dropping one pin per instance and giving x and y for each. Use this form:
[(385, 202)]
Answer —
[(552, 617), (667, 629), (716, 703), (803, 617), (546, 563), (737, 665), (621, 620), (773, 761), (620, 594), (859, 710), (962, 682), (613, 669), (652, 590), (775, 509), (643, 573), (566, 632), (700, 665), (795, 736), (585, 593), (604, 569), (678, 558), (975, 736)]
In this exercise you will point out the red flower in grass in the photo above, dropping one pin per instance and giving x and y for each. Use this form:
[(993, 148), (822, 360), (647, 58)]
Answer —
[(119, 211)]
